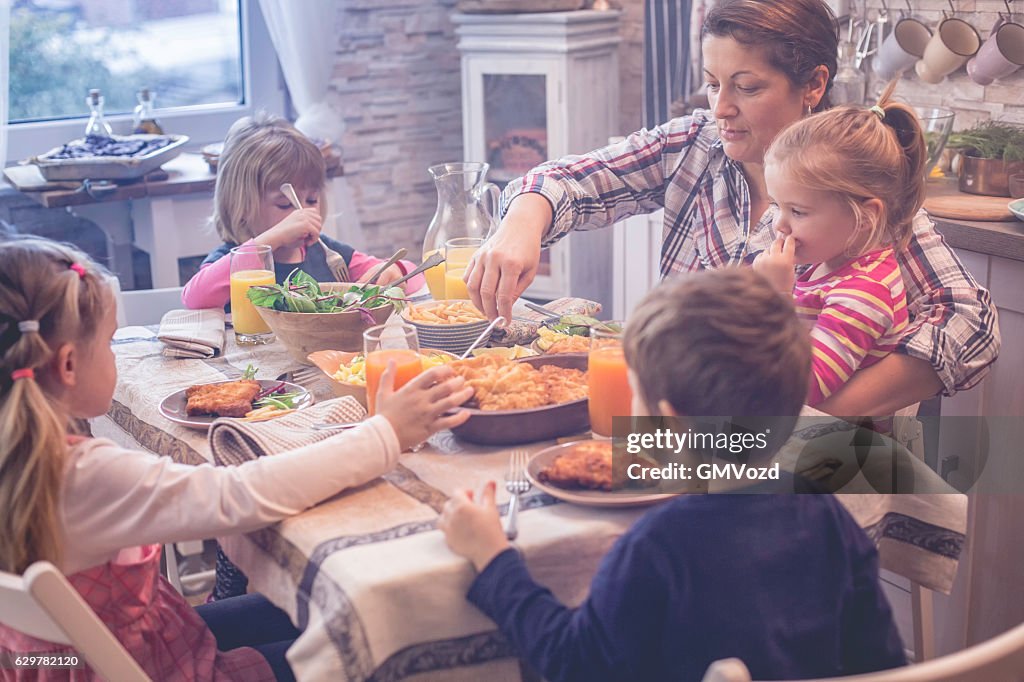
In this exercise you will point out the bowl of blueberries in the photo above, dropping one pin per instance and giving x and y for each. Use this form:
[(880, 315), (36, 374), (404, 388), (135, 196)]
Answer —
[(115, 157)]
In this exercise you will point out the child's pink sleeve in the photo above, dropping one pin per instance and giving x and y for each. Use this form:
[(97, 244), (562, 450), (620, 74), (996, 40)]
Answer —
[(361, 263), (211, 286)]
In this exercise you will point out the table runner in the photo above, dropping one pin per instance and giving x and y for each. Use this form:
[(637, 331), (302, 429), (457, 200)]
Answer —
[(368, 577)]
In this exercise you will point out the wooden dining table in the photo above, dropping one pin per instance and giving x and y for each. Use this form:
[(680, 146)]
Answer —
[(366, 575)]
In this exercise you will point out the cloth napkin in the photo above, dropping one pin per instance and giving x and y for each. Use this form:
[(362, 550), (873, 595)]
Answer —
[(233, 441), (192, 333), (526, 322)]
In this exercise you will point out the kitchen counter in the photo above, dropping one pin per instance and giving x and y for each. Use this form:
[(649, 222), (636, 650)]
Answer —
[(1004, 238)]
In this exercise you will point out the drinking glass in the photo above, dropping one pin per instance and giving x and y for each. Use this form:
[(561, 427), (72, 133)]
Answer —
[(607, 379), (386, 342), (251, 265), (457, 254)]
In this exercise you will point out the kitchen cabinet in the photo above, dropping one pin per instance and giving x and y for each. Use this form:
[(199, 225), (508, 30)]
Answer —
[(538, 87)]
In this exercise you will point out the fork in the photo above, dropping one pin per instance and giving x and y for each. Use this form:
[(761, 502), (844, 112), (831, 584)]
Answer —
[(299, 376), (335, 261), (516, 483)]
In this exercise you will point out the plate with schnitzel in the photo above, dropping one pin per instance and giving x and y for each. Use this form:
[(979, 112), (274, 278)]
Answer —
[(523, 401), (198, 406), (585, 473)]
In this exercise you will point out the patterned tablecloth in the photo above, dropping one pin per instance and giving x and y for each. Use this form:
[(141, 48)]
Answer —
[(368, 577)]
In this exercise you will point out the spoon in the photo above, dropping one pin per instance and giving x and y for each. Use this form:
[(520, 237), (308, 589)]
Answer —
[(335, 261), (435, 259), (331, 426), (483, 335), (399, 255)]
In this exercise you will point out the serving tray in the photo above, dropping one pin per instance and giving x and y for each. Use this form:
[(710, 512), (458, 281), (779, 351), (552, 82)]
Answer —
[(108, 167)]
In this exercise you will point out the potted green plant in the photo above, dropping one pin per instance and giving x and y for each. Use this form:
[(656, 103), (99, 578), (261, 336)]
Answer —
[(989, 153)]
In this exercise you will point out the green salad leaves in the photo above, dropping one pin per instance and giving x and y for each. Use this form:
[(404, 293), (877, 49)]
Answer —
[(301, 293), (579, 325)]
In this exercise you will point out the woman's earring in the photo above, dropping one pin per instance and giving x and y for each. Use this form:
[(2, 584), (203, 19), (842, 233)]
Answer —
[(810, 110)]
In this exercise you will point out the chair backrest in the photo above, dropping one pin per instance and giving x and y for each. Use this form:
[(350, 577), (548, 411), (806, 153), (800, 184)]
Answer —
[(147, 306), (43, 604), (1000, 658)]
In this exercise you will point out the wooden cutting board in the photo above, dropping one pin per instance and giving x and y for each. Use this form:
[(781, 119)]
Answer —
[(964, 206)]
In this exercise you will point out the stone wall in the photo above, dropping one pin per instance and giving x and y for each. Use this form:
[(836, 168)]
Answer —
[(397, 82), (1002, 100)]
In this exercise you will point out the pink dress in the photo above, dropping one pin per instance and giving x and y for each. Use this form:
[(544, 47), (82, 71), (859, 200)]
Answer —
[(152, 621)]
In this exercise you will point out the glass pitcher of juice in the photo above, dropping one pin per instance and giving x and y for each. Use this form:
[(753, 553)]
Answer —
[(251, 265), (607, 379), (467, 206), (384, 343)]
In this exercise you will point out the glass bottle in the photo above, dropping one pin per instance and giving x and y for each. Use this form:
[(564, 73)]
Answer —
[(97, 125), (143, 119), (850, 84), (467, 206)]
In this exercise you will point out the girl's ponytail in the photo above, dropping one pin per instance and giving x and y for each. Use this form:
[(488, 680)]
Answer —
[(49, 294), (907, 128)]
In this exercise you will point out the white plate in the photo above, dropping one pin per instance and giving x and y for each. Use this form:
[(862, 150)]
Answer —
[(173, 406), (591, 498)]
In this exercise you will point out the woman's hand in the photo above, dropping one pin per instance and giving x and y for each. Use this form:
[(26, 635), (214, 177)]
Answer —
[(472, 528), (301, 228), (776, 264), (417, 410), (506, 264)]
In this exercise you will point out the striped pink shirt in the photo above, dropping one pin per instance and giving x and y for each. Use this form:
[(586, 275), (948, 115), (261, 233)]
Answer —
[(857, 315)]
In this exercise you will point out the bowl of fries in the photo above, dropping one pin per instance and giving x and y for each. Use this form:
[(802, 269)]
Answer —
[(347, 371), (450, 325)]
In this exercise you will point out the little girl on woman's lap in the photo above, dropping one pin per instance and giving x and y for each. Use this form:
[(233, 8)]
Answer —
[(846, 183)]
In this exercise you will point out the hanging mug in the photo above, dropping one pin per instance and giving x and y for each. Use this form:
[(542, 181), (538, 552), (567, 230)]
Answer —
[(903, 46), (954, 42), (1001, 55)]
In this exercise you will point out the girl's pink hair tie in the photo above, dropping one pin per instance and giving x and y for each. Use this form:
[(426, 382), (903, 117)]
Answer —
[(77, 267), (23, 373)]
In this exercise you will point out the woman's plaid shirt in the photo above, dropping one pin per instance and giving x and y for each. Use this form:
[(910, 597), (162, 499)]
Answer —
[(681, 167)]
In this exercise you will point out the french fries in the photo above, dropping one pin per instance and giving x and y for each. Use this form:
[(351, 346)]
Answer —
[(444, 312), (265, 413)]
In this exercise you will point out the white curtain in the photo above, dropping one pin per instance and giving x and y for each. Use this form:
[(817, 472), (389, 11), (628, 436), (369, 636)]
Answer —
[(5, 89), (305, 37)]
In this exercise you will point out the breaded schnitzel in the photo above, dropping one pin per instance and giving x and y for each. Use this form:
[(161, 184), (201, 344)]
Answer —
[(227, 399)]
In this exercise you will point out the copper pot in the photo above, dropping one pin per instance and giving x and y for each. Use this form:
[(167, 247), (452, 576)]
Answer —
[(987, 176)]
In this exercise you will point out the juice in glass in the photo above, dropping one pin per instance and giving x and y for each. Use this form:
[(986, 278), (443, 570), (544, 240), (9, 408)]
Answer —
[(251, 265), (457, 254), (390, 342), (454, 287), (435, 277), (407, 365), (607, 381)]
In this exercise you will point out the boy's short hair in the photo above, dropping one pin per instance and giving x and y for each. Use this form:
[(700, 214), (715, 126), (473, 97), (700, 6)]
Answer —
[(719, 343)]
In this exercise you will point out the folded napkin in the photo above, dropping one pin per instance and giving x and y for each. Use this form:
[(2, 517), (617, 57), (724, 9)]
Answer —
[(526, 322), (233, 441), (192, 333)]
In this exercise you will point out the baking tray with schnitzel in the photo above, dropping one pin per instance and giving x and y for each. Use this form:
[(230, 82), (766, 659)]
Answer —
[(197, 406), (524, 401), (585, 473)]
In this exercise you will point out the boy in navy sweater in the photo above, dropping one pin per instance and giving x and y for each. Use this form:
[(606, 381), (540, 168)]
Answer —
[(788, 583)]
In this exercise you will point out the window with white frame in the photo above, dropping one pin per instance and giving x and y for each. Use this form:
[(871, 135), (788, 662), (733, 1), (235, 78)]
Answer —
[(208, 62)]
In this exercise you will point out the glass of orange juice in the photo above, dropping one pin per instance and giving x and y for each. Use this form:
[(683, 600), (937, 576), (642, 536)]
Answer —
[(607, 379), (251, 265), (457, 254), (387, 342)]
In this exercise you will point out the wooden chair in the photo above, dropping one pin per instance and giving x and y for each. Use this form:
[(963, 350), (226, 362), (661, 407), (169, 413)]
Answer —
[(1000, 659), (43, 604)]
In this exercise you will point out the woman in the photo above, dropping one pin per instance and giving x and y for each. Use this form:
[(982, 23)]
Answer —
[(767, 63)]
